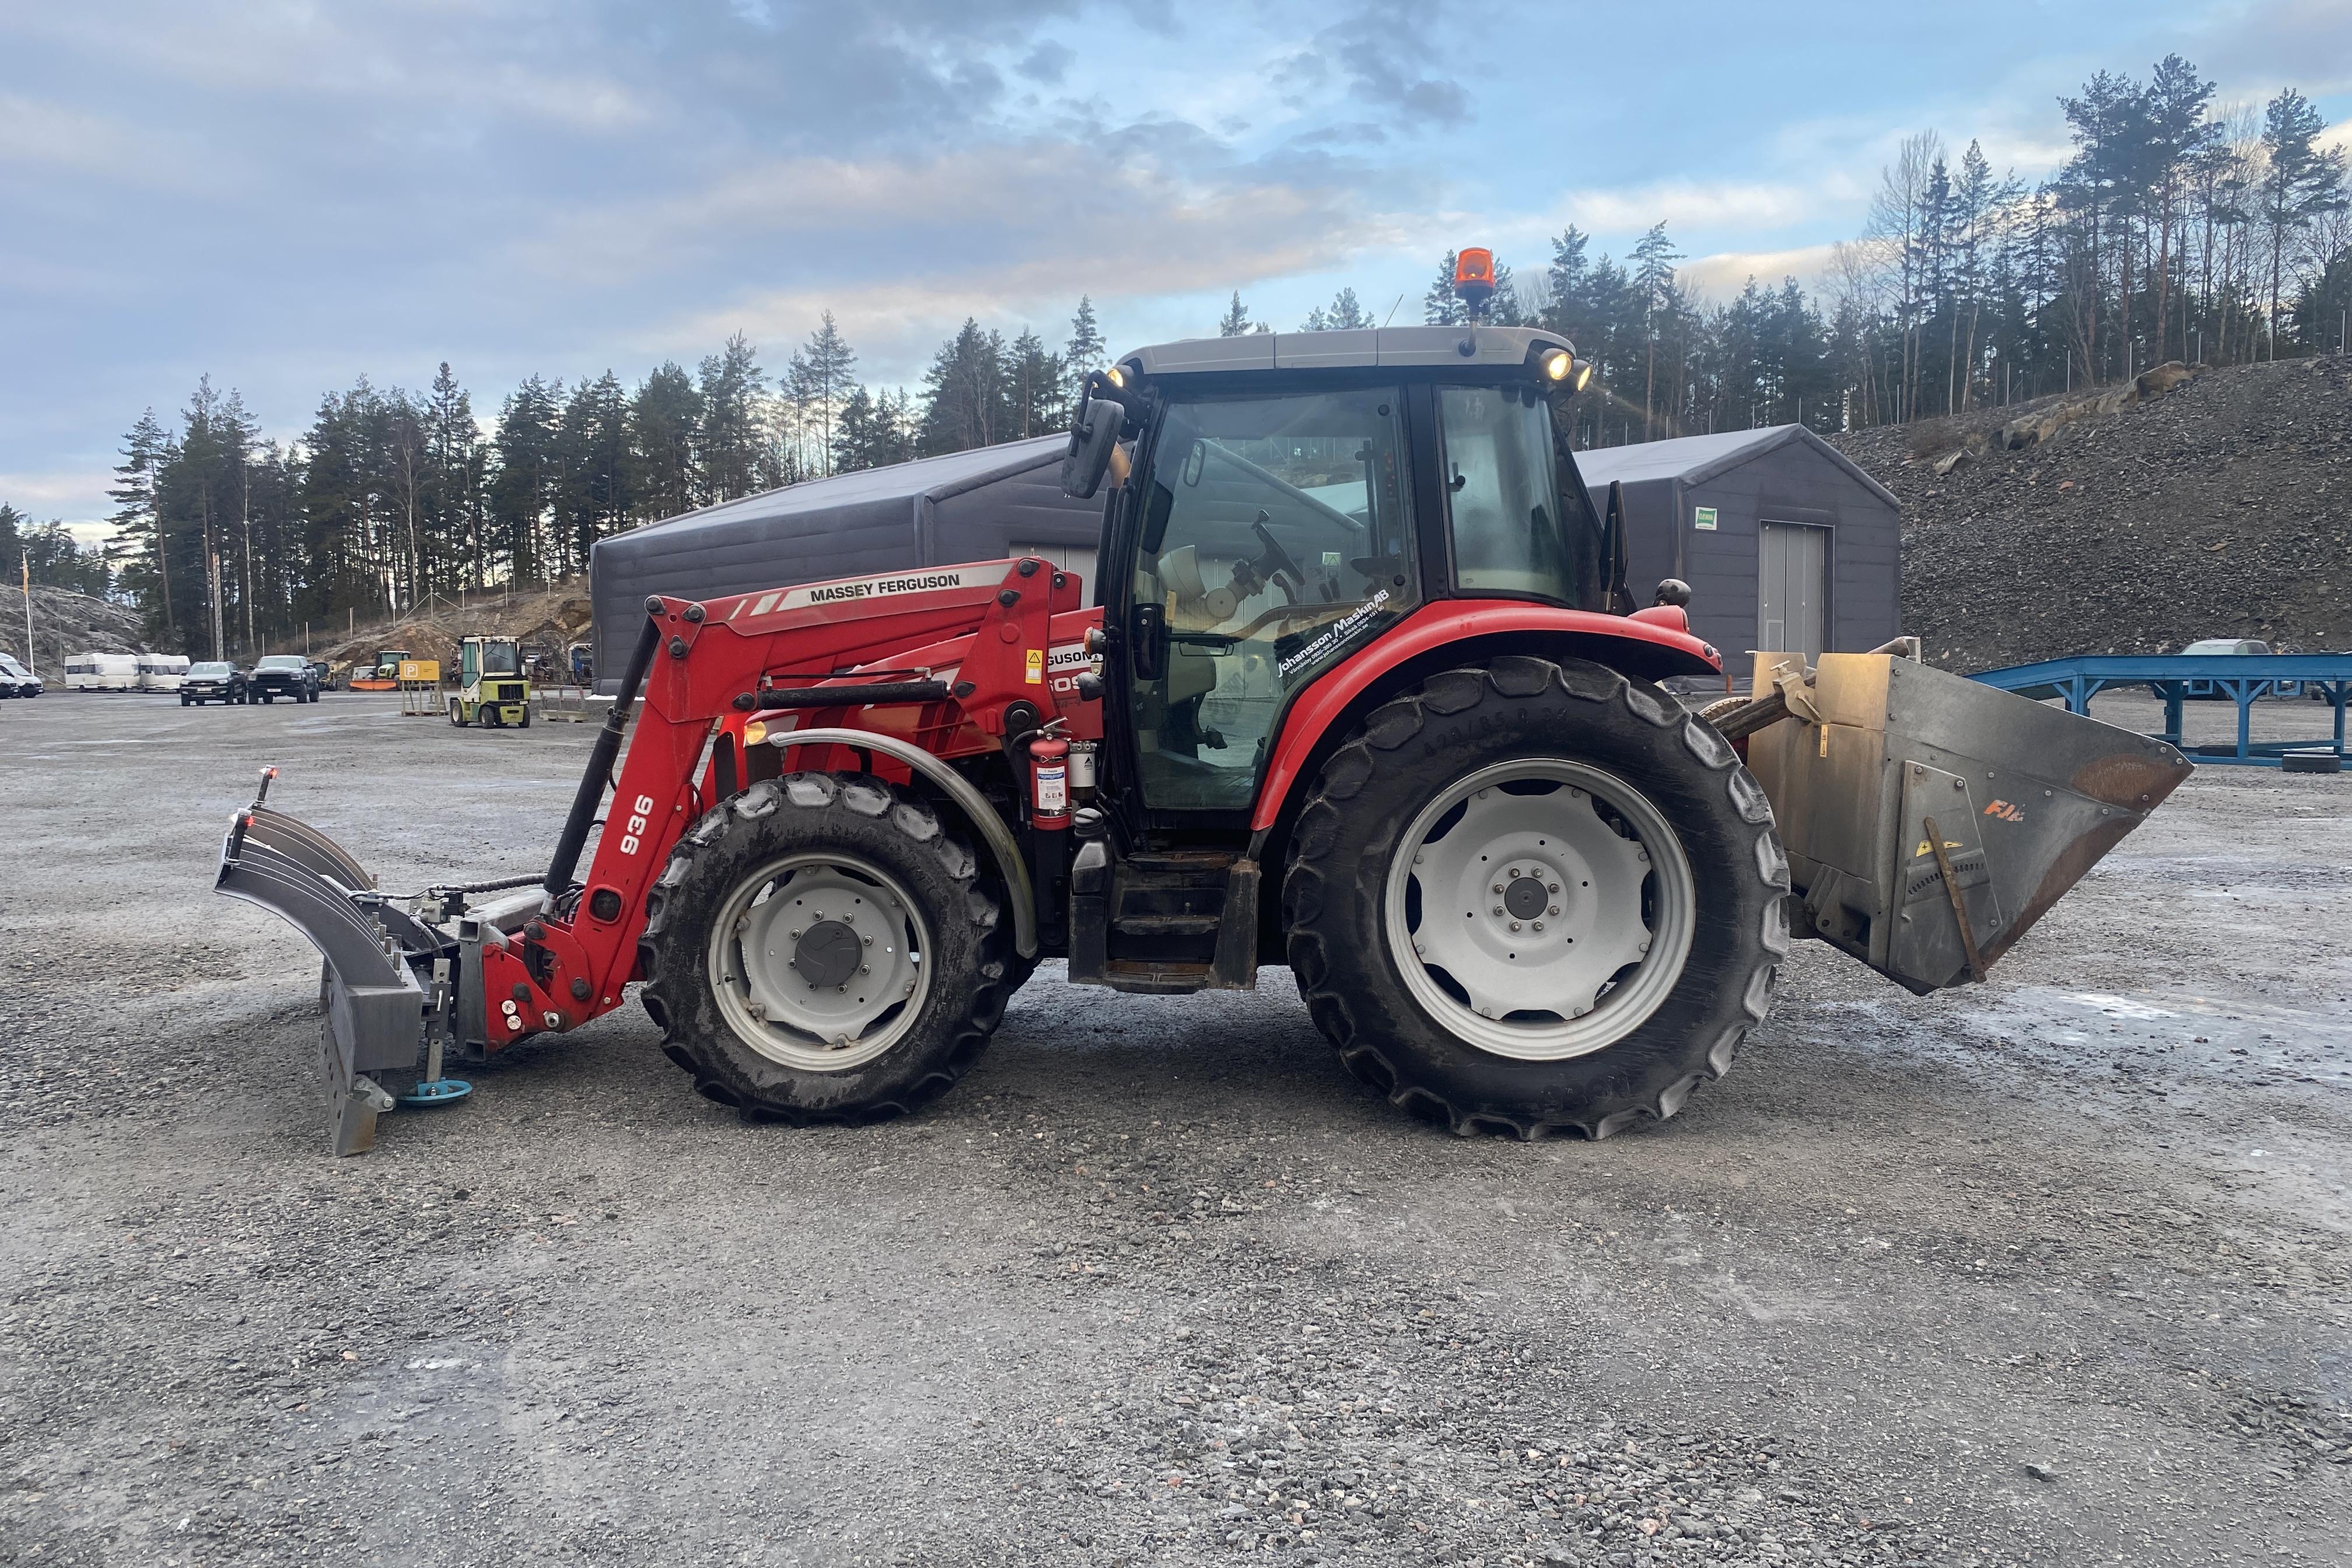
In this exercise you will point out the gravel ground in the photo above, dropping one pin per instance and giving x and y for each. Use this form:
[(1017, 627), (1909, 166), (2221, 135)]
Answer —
[(2052, 1272)]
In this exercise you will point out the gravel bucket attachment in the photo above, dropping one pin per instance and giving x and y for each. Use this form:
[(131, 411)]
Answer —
[(1930, 820), (372, 1001)]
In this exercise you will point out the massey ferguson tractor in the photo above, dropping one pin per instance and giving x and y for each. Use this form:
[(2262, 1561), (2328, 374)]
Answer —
[(1362, 692)]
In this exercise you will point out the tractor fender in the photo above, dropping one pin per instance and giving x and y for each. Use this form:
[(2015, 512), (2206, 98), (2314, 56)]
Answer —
[(960, 789), (1323, 711)]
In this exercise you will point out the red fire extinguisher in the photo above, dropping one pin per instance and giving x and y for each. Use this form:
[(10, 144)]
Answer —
[(1049, 783)]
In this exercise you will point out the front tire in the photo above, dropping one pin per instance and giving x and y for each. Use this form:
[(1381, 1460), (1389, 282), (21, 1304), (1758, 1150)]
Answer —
[(793, 1011), (1493, 798)]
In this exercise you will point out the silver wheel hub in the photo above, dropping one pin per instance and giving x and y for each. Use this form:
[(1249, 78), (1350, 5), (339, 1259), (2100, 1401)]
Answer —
[(817, 962), (1539, 909)]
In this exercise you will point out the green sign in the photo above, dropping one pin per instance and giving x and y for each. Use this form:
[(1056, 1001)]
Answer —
[(1704, 518)]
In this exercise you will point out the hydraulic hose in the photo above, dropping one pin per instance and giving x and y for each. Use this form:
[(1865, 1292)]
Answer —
[(592, 783)]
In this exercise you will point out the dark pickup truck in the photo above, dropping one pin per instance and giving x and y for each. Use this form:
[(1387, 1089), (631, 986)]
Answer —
[(282, 675), (217, 681)]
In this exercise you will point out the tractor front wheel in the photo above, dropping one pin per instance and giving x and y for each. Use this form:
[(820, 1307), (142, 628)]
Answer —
[(821, 948), (1536, 897)]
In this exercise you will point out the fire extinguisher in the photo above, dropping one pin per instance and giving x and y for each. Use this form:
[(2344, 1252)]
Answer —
[(1049, 832), (1049, 783)]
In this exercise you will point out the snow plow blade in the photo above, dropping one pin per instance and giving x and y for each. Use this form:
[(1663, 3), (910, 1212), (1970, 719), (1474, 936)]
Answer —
[(372, 1004), (1930, 820)]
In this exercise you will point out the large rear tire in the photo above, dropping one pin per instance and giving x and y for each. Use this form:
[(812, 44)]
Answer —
[(1533, 896), (820, 948)]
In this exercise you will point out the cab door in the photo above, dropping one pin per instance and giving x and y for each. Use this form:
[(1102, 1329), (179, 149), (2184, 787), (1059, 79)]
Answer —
[(1275, 535)]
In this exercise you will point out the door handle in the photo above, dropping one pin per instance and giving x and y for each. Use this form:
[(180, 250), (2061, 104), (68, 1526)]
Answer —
[(1147, 652)]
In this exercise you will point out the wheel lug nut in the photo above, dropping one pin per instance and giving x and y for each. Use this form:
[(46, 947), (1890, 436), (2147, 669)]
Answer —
[(1555, 887), (1515, 925), (1499, 910), (1538, 925), (1498, 887)]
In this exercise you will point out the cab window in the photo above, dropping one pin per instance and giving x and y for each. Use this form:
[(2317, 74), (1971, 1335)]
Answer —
[(1277, 538), (1514, 528)]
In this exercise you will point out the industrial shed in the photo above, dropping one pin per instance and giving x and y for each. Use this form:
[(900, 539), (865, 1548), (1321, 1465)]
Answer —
[(982, 505), (1786, 543)]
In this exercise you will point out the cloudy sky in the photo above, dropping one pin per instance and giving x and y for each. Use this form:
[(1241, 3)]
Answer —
[(284, 195)]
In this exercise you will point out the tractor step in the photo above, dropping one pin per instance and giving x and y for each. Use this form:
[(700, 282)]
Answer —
[(1164, 921)]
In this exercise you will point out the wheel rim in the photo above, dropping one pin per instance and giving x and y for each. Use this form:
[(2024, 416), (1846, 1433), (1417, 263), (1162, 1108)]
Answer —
[(817, 962), (1539, 909)]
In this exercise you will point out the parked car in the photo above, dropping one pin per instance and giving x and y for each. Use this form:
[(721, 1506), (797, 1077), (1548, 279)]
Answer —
[(15, 680), (2221, 647), (282, 675), (217, 680)]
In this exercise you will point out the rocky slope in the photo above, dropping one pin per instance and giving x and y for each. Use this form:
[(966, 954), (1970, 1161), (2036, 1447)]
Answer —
[(65, 622), (2220, 506)]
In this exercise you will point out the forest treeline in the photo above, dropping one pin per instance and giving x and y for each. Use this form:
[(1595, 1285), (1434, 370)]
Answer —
[(2179, 228)]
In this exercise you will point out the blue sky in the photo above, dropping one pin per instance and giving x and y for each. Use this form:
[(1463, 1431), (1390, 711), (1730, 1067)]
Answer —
[(285, 196)]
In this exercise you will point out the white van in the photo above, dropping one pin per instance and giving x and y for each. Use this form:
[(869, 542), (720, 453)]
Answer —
[(102, 672), (161, 671)]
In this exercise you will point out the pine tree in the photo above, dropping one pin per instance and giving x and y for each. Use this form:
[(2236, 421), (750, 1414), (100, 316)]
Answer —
[(818, 379), (1034, 383), (146, 563), (523, 479), (1084, 351), (2302, 182), (453, 465), (728, 457), (965, 402), (1441, 306), (665, 432), (1236, 319)]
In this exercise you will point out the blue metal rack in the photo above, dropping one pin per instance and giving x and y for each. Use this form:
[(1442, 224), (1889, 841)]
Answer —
[(2244, 678)]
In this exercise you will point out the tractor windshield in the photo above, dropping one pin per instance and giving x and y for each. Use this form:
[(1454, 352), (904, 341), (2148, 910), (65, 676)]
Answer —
[(502, 658), (1514, 528)]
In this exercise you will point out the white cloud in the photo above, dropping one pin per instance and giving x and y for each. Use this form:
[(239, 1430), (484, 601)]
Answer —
[(1725, 273)]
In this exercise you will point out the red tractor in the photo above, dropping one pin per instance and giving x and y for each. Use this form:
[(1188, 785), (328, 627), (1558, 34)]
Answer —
[(1361, 692)]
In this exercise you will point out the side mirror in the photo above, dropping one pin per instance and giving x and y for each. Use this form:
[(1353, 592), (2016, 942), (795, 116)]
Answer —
[(1093, 438), (1147, 643), (1617, 598)]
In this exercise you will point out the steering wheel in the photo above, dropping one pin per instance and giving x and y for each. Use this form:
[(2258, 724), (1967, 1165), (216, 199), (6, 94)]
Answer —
[(1276, 562)]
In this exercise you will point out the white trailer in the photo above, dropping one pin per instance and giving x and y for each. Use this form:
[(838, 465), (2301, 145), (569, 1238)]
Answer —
[(161, 671), (102, 672)]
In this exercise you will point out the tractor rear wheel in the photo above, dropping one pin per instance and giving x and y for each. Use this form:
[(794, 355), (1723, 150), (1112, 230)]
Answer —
[(1536, 897), (821, 948)]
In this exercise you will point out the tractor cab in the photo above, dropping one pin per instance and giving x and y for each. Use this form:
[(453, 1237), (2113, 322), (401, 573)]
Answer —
[(492, 688), (1288, 498)]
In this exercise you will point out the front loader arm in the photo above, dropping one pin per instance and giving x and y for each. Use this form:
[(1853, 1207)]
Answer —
[(988, 630), (477, 976)]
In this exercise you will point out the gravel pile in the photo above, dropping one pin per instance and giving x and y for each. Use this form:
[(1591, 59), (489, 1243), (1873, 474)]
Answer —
[(2222, 508)]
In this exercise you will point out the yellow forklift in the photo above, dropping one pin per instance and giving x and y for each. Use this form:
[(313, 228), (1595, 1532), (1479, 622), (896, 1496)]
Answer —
[(492, 687)]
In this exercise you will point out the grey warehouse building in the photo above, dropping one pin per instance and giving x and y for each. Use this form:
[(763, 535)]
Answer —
[(982, 505), (1786, 543)]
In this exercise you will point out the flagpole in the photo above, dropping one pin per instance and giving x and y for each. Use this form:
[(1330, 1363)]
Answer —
[(25, 574)]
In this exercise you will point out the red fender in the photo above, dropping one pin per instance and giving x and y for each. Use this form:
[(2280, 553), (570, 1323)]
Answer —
[(1643, 644)]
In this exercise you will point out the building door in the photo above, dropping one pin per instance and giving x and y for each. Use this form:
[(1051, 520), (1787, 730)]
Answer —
[(1792, 588)]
